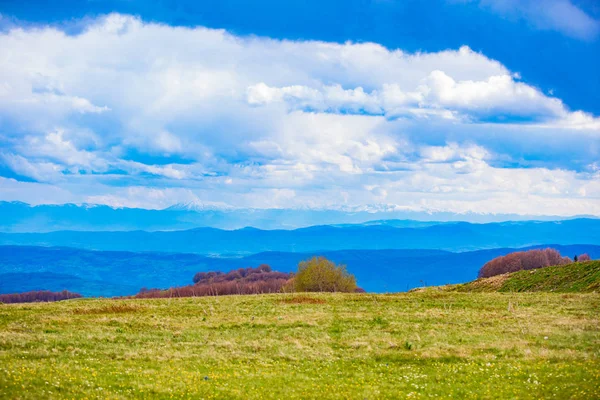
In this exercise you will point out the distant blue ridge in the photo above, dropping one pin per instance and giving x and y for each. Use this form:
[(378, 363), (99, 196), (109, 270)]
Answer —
[(119, 273)]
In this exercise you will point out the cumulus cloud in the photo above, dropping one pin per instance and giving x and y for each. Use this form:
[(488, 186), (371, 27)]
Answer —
[(438, 94), (42, 171), (134, 113)]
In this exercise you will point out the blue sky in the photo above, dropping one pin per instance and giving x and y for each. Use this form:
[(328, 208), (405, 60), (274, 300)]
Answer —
[(486, 106)]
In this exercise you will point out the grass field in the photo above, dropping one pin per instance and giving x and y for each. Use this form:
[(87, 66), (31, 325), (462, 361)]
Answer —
[(411, 345)]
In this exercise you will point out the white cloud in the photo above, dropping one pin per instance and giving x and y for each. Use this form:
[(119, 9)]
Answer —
[(580, 120), (437, 95), (349, 143), (557, 15), (41, 171), (453, 152), (168, 171), (141, 197), (498, 94), (55, 146), (187, 114)]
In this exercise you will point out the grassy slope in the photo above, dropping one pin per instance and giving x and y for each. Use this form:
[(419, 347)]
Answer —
[(574, 278), (410, 345)]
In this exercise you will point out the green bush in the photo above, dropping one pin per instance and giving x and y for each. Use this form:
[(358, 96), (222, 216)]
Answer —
[(321, 275)]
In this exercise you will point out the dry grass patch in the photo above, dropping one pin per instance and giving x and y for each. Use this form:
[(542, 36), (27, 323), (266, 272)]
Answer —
[(109, 309), (303, 300), (489, 284)]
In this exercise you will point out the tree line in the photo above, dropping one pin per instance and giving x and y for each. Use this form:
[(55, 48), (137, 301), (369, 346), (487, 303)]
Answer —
[(38, 296), (215, 283), (315, 275)]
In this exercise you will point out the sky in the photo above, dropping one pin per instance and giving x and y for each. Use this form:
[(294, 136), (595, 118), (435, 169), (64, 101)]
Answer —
[(480, 106)]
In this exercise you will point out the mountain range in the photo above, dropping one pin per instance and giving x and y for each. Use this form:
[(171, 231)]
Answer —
[(105, 251), (22, 217), (460, 236), (111, 273)]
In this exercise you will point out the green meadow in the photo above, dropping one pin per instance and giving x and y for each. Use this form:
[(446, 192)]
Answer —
[(427, 344)]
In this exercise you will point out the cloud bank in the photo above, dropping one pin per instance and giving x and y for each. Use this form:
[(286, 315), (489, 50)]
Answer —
[(129, 113)]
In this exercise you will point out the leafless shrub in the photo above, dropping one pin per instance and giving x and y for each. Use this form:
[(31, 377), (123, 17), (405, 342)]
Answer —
[(522, 260), (242, 281), (584, 257)]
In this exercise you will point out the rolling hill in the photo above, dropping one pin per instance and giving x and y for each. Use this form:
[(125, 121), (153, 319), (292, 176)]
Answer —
[(578, 277)]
